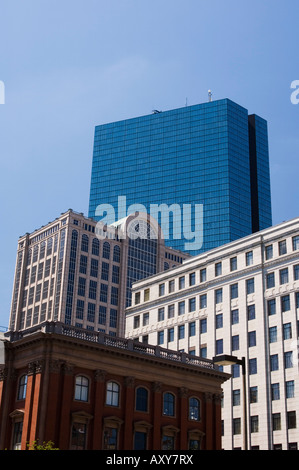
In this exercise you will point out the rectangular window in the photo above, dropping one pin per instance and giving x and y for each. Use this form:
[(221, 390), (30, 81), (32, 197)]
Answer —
[(253, 394), (235, 343), (275, 392), (203, 301), (181, 331), (91, 312), (269, 252), (137, 321), (115, 275), (296, 243), (161, 314), (219, 346), (218, 296), (285, 303), (182, 282), (219, 320), (102, 314), (235, 316), (254, 424), (287, 331), (114, 295), (276, 422), (192, 279), (288, 359), (160, 337), (93, 289), (94, 267), (192, 329), (251, 339), (145, 319), (83, 264), (252, 366), (192, 304), (291, 419), (104, 293), (250, 286), (182, 307), (171, 286), (170, 335), (236, 397), (137, 298), (80, 309), (296, 272), (273, 334), (81, 286), (270, 280), (236, 426), (113, 318), (274, 365), (249, 258), (290, 389), (251, 312), (234, 291), (282, 247), (161, 289), (105, 271), (218, 269), (203, 325), (170, 311), (271, 307), (203, 275), (233, 264), (284, 276)]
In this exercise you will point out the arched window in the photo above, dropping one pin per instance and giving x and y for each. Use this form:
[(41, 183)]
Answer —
[(106, 250), (95, 247), (141, 399), (84, 243), (112, 394), (194, 409), (22, 387), (81, 388), (116, 254), (168, 404)]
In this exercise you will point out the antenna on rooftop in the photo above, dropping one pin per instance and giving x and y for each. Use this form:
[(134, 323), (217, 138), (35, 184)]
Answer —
[(210, 96)]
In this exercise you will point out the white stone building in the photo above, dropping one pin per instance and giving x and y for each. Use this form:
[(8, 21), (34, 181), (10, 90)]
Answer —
[(241, 299)]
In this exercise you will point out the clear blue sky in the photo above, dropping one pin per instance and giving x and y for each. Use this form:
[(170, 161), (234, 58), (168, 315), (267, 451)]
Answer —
[(69, 65)]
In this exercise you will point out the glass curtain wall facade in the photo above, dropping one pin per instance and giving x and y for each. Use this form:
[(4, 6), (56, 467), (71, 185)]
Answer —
[(196, 155)]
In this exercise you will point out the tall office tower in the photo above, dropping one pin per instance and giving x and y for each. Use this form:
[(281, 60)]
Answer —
[(77, 272), (205, 166), (240, 300)]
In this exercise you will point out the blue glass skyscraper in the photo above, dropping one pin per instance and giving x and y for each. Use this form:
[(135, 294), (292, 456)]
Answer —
[(207, 165)]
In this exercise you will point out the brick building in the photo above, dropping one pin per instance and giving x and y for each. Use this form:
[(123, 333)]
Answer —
[(87, 390)]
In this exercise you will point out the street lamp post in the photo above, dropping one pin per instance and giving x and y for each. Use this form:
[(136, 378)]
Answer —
[(225, 360)]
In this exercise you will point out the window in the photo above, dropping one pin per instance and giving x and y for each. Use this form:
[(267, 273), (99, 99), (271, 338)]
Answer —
[(105, 271), (110, 438), (102, 314), (251, 339), (274, 362), (116, 254), (251, 312), (273, 334), (284, 276), (78, 438), (218, 269), (219, 346), (140, 439), (81, 286), (270, 280), (269, 252), (22, 387), (249, 258), (235, 343), (181, 331), (250, 286), (194, 409), (106, 250), (112, 394), (81, 388), (218, 296), (141, 399), (170, 335), (291, 417), (17, 435), (84, 243), (236, 397), (104, 293), (161, 289), (296, 272), (137, 298), (203, 275), (145, 320), (168, 442), (160, 337), (275, 392), (192, 329), (282, 247), (235, 370), (146, 295), (252, 366), (271, 307), (168, 404), (236, 426), (233, 264), (93, 289), (254, 424), (285, 303), (137, 321), (161, 314), (235, 316), (182, 307), (91, 308), (287, 331), (115, 274), (276, 421), (182, 282), (219, 320), (203, 301), (95, 247), (296, 243), (253, 394), (288, 359), (170, 309), (192, 304), (290, 389), (171, 286), (113, 318), (234, 291), (192, 279), (114, 295), (203, 325)]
